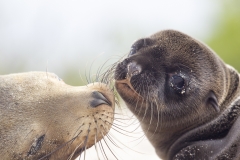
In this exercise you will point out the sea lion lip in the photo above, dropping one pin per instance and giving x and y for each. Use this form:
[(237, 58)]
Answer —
[(126, 85)]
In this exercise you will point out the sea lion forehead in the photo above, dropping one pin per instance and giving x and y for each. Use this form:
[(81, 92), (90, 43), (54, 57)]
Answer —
[(177, 43), (31, 77), (171, 36), (170, 48)]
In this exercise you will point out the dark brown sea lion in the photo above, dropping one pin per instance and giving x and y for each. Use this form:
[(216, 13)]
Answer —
[(185, 97), (41, 117)]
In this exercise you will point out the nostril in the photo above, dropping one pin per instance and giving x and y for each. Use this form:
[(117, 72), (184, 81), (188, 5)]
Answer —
[(133, 69), (98, 99)]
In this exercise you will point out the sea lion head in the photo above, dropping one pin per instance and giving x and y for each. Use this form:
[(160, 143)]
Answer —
[(44, 118), (172, 83)]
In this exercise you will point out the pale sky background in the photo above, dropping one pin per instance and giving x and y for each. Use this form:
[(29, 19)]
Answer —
[(59, 35), (53, 34)]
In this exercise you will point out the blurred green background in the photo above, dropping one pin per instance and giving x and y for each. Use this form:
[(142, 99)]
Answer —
[(225, 39)]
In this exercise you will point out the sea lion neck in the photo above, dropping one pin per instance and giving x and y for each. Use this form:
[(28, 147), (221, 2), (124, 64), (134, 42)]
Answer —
[(233, 88), (169, 135)]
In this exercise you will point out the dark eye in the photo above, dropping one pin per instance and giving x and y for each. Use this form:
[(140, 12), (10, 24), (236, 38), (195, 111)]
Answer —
[(139, 44), (177, 82), (136, 46), (132, 51)]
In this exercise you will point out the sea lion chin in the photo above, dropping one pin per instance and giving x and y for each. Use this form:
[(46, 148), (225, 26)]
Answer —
[(185, 97), (43, 118)]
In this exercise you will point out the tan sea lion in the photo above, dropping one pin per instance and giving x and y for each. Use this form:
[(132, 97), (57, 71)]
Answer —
[(185, 97), (41, 117)]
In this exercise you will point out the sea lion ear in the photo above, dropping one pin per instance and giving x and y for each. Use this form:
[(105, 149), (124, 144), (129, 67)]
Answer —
[(212, 101)]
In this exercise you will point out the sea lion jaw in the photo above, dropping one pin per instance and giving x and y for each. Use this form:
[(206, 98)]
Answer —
[(42, 117)]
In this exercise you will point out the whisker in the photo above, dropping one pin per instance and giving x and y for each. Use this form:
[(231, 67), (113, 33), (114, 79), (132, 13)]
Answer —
[(86, 140), (108, 146), (59, 147), (102, 149), (74, 151)]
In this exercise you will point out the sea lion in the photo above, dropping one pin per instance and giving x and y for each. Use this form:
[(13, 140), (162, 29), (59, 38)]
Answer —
[(41, 117), (185, 97)]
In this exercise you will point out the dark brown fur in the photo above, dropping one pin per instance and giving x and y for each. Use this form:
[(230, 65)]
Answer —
[(194, 121)]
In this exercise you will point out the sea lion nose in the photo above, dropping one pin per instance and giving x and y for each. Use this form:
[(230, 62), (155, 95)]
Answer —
[(133, 69), (99, 99)]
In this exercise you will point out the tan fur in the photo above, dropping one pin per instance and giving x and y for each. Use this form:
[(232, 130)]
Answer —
[(38, 103)]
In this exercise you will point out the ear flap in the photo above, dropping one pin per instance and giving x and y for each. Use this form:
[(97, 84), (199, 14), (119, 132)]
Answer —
[(212, 101)]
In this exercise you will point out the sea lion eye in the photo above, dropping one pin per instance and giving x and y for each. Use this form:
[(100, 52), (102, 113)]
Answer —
[(177, 82), (139, 44), (136, 46), (132, 51)]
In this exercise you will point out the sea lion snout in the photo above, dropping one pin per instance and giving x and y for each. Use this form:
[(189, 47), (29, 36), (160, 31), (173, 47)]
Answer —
[(133, 68)]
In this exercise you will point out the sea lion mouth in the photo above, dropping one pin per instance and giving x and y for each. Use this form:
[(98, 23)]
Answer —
[(125, 87)]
